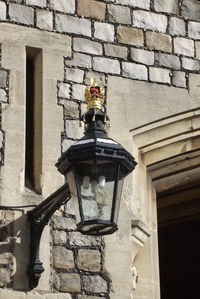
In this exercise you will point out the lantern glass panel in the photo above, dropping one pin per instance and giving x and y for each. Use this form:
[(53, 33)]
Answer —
[(74, 194), (96, 180)]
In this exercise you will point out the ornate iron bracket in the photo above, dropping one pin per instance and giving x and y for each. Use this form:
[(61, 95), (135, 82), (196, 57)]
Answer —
[(38, 218)]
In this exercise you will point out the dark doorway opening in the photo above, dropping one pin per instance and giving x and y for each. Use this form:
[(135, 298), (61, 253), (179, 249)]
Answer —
[(179, 243)]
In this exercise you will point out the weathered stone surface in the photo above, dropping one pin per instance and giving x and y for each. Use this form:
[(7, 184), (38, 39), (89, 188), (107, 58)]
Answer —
[(197, 47), (71, 24), (104, 31), (167, 60), (63, 90), (184, 46), (116, 51), (6, 258), (60, 222), (66, 143), (73, 74), (81, 60), (194, 30), (176, 26), (40, 3), (149, 20), (72, 129), (2, 11), (90, 297), (134, 71), (78, 239), (191, 9), (59, 237), (179, 79), (159, 41), (90, 74), (3, 96), (191, 64), (63, 5), (91, 9), (44, 19), (63, 258), (1, 139), (78, 92), (58, 296), (170, 6), (70, 283), (119, 14), (135, 3), (95, 284), (143, 56), (87, 46), (131, 36), (159, 75), (4, 277), (21, 14), (3, 78), (106, 65), (71, 109), (89, 260)]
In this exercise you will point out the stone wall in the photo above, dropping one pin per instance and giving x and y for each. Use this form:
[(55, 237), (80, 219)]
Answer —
[(152, 41)]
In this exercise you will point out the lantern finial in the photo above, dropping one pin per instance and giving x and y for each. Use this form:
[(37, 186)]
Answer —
[(94, 95)]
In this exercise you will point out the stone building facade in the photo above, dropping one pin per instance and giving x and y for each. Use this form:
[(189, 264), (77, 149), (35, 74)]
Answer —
[(146, 53)]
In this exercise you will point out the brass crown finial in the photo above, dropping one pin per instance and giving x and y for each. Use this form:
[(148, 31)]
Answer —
[(94, 95)]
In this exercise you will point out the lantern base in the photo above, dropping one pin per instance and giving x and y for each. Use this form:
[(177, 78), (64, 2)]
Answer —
[(97, 227)]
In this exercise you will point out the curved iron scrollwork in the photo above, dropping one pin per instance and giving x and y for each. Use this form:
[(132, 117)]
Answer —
[(39, 218)]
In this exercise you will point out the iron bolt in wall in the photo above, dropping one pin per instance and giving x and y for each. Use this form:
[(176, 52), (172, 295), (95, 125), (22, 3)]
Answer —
[(95, 167)]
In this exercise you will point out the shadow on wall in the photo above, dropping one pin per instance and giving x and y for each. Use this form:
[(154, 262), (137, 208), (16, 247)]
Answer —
[(14, 253)]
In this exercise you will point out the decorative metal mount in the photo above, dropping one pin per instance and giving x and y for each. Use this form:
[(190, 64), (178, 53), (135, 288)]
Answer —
[(38, 218)]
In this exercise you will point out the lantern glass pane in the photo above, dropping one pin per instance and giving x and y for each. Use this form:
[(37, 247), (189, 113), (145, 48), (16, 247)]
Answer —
[(117, 199), (74, 195), (96, 181)]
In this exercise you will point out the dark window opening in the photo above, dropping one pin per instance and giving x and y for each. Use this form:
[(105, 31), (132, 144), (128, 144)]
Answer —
[(33, 141)]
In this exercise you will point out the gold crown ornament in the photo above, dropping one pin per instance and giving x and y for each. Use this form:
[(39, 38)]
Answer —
[(94, 95)]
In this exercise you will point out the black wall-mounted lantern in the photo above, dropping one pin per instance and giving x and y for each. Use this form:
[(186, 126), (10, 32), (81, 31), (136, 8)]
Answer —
[(95, 167)]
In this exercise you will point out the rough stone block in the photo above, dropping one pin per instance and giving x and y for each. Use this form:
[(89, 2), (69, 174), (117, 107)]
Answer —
[(4, 277), (64, 90), (70, 24), (146, 57), (63, 5), (81, 60), (3, 78), (176, 26), (78, 239), (70, 283), (116, 51), (60, 222), (159, 41), (44, 20), (170, 61), (95, 284), (119, 14), (3, 96), (184, 46), (159, 75), (149, 20), (74, 75), (59, 237), (6, 258), (63, 258), (89, 297), (134, 71), (87, 46), (2, 11), (72, 129), (197, 47), (170, 6), (58, 296), (190, 9), (90, 74), (71, 109), (78, 92), (89, 260), (21, 14), (40, 3), (104, 31), (191, 64), (106, 65), (91, 9), (179, 79), (130, 36), (1, 139), (194, 30), (145, 4)]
